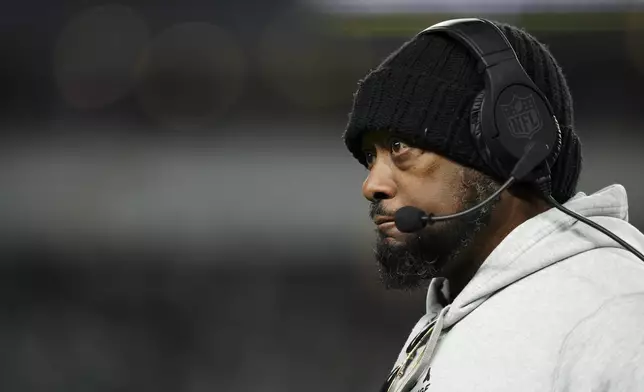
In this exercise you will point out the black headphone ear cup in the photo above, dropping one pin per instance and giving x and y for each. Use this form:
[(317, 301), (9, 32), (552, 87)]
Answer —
[(476, 129)]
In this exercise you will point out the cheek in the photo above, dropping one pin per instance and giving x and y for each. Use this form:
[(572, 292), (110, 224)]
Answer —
[(439, 193)]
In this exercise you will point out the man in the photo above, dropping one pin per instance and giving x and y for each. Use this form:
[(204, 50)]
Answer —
[(521, 296)]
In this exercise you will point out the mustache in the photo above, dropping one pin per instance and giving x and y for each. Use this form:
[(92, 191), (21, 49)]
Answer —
[(376, 208)]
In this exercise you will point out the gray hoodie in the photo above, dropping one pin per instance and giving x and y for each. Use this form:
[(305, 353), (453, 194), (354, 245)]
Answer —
[(557, 306)]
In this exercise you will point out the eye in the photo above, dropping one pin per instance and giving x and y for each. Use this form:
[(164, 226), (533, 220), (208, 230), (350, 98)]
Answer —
[(397, 146), (369, 158)]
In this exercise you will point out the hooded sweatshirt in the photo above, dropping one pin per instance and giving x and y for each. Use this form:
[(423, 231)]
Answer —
[(557, 306)]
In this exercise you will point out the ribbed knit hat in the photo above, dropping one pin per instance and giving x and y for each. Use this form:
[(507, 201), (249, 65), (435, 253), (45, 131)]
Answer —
[(430, 83)]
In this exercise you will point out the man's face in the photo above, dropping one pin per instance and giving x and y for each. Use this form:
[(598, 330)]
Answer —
[(401, 175)]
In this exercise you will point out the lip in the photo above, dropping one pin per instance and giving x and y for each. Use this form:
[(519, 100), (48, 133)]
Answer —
[(386, 226), (380, 220), (389, 231)]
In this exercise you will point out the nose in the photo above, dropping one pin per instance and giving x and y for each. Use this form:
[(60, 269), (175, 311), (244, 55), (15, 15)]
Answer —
[(379, 185)]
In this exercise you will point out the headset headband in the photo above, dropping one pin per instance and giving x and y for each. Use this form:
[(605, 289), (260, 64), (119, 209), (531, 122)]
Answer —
[(500, 132)]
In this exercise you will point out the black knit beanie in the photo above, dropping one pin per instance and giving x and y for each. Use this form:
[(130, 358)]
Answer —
[(424, 91)]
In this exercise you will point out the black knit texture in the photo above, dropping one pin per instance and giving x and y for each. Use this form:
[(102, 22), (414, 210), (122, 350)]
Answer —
[(424, 92)]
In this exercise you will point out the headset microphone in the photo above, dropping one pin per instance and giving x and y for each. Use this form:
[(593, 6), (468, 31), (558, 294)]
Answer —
[(411, 219)]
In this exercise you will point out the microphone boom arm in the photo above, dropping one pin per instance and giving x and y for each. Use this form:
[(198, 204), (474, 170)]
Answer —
[(432, 218)]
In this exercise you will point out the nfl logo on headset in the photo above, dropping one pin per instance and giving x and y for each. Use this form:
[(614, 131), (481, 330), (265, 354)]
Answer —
[(522, 117)]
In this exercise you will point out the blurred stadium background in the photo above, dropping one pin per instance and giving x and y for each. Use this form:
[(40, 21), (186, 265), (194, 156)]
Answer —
[(178, 211)]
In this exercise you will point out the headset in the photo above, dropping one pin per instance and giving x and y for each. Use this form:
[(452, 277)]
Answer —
[(511, 122), (511, 112)]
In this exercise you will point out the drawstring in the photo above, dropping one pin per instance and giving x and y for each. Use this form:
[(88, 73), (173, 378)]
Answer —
[(416, 357), (433, 340), (428, 351)]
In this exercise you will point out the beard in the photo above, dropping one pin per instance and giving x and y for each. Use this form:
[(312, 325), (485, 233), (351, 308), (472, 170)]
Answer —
[(421, 256)]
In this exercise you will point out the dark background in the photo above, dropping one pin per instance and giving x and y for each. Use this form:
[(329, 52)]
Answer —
[(178, 211)]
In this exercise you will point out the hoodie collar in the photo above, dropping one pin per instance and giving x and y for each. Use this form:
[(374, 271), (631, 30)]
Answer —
[(532, 246)]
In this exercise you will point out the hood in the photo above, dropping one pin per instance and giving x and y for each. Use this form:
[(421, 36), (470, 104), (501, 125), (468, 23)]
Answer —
[(537, 243)]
